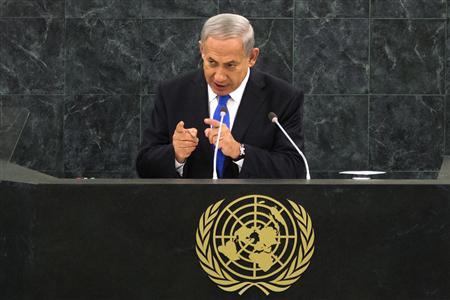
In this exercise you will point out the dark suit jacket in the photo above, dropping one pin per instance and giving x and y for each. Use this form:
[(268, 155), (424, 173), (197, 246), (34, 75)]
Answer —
[(268, 153)]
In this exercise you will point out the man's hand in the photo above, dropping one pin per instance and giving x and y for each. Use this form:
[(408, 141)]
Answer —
[(184, 142), (228, 145)]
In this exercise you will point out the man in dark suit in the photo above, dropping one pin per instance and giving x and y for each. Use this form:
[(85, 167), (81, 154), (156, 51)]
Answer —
[(185, 120)]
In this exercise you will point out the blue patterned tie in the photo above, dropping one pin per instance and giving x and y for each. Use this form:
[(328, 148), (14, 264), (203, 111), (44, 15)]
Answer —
[(226, 120)]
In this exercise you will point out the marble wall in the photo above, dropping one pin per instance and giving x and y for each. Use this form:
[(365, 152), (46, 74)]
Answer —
[(375, 74)]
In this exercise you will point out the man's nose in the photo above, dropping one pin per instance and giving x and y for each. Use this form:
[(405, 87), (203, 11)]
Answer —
[(220, 76)]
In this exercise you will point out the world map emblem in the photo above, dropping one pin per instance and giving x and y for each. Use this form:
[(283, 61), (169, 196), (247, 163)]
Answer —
[(255, 241)]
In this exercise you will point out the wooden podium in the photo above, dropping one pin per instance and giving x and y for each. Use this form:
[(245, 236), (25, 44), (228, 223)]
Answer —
[(136, 239)]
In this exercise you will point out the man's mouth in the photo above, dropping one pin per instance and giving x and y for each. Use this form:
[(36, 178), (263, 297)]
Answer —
[(220, 85)]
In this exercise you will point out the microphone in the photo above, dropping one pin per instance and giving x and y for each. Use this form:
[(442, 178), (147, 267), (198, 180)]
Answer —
[(223, 112), (274, 119)]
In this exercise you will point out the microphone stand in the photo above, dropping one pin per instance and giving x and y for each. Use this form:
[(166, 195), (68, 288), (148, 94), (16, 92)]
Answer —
[(216, 147), (274, 119)]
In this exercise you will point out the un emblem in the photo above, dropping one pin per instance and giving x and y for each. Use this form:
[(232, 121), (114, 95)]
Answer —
[(255, 241)]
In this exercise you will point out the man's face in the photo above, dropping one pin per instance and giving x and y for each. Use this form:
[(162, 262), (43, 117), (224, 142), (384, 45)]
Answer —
[(225, 63)]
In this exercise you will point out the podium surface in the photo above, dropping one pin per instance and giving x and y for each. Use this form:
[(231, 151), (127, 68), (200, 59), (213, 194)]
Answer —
[(136, 238)]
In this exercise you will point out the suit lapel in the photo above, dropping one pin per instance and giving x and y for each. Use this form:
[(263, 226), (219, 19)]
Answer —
[(254, 96)]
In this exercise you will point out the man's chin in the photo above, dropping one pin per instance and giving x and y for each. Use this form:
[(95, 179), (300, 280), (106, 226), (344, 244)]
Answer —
[(221, 91)]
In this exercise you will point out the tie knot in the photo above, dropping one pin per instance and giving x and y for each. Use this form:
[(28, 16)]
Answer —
[(223, 100)]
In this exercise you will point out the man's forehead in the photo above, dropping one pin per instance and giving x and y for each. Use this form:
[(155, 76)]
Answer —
[(224, 45), (236, 41), (222, 56)]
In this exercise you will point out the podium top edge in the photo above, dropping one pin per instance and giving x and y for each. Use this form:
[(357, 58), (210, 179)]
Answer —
[(299, 182)]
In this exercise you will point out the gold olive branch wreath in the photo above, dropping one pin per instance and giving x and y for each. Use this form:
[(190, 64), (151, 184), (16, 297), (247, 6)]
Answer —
[(282, 282)]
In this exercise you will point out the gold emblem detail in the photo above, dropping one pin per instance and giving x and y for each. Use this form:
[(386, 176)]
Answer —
[(255, 241)]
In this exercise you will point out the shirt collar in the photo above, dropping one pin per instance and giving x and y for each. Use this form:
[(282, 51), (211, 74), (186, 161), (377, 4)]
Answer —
[(235, 95)]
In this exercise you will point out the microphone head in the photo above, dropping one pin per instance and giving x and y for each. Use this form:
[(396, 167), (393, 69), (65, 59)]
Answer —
[(272, 117), (223, 111)]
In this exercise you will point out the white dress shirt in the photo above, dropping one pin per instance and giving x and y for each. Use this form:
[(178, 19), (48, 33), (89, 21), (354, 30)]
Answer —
[(232, 106)]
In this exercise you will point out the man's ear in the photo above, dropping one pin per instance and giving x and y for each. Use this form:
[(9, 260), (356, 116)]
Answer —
[(253, 57), (200, 47)]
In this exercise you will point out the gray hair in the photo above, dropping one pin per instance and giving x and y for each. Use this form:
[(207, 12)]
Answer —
[(225, 26)]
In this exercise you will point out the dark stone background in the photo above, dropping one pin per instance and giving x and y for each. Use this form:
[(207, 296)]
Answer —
[(375, 74)]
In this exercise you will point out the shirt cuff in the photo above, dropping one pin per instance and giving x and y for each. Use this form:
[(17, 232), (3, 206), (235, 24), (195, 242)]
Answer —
[(239, 163), (179, 167)]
